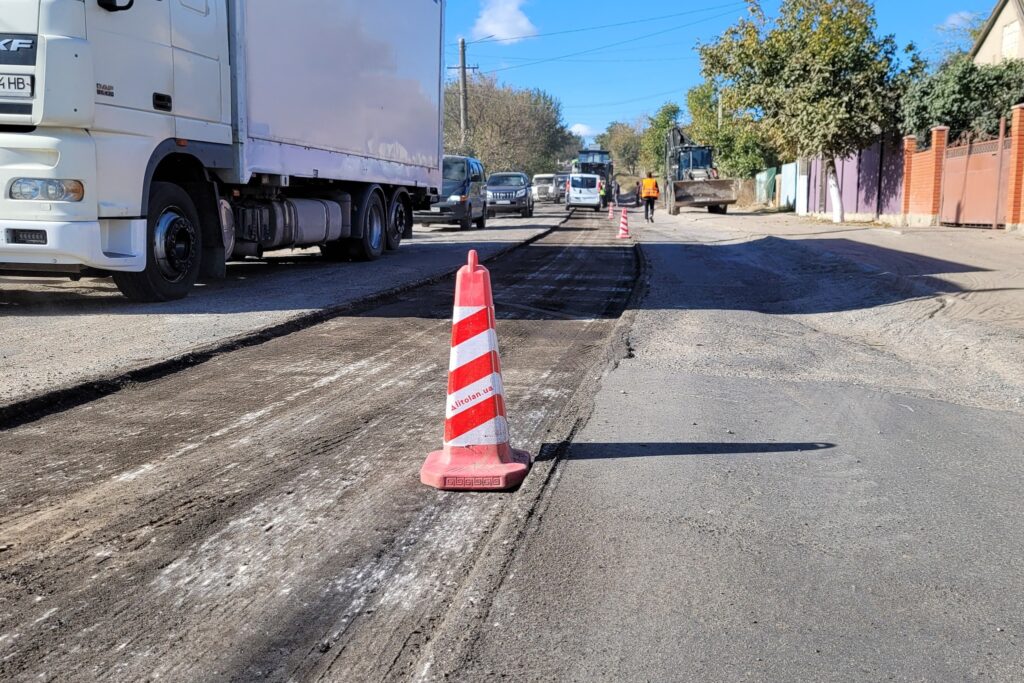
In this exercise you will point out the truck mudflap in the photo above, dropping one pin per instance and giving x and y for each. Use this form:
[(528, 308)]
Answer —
[(702, 193)]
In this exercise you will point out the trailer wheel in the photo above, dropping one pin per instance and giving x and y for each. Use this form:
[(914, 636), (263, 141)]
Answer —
[(399, 221), (372, 221), (174, 246)]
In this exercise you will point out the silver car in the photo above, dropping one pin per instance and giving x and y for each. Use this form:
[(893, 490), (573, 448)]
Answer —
[(509, 193)]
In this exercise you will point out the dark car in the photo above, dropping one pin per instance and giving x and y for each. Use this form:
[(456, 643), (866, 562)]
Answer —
[(509, 193), (561, 183), (463, 195)]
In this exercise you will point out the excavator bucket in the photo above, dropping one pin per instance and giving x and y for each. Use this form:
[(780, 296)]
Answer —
[(702, 193)]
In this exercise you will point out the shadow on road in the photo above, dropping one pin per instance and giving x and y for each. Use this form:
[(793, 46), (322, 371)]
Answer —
[(613, 451), (767, 275)]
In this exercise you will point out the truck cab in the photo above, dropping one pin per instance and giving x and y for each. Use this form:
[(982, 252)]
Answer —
[(154, 140), (105, 84)]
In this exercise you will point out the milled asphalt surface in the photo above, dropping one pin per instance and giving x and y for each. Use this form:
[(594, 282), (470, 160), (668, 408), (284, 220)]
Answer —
[(778, 483), (259, 516), (56, 334)]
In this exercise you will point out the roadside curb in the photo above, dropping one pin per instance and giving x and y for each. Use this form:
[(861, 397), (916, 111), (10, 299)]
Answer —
[(455, 637), (38, 406)]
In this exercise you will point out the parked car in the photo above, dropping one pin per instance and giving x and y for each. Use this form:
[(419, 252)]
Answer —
[(463, 195), (584, 191), (561, 185), (544, 189), (509, 193)]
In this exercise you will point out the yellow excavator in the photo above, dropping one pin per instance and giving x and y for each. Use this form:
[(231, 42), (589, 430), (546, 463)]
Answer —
[(692, 177)]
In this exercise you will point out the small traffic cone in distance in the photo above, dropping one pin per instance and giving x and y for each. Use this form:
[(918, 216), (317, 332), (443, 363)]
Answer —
[(624, 226), (476, 455), (611, 212)]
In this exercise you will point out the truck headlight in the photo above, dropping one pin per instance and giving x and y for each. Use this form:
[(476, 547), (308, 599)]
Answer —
[(458, 198), (45, 190)]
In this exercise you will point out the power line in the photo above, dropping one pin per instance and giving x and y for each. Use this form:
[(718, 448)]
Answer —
[(615, 104), (603, 47), (647, 60), (619, 24)]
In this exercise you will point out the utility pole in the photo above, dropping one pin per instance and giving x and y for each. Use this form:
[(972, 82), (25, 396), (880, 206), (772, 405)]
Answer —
[(463, 91)]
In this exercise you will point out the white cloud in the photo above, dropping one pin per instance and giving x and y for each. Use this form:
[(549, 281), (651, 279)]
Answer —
[(958, 21), (583, 130), (504, 20)]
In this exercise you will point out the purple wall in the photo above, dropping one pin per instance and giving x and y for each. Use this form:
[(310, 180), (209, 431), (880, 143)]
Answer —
[(871, 182)]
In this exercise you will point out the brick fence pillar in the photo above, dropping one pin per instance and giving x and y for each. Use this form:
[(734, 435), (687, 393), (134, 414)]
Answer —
[(1015, 189), (940, 140), (909, 149)]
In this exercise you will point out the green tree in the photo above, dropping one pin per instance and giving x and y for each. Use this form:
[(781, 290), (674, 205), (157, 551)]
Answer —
[(818, 77), (655, 138), (964, 96), (740, 144), (510, 129), (623, 141)]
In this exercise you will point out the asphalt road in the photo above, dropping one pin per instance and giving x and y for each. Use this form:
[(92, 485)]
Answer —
[(259, 516), (778, 483), (56, 334)]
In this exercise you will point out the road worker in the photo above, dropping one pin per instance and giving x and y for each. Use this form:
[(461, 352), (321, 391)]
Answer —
[(650, 192)]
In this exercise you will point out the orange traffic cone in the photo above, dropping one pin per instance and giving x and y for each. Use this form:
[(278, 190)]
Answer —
[(624, 226), (476, 454), (611, 212)]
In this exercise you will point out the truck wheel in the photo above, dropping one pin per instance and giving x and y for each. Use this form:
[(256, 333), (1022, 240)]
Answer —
[(481, 223), (467, 222), (399, 220), (174, 245), (373, 221)]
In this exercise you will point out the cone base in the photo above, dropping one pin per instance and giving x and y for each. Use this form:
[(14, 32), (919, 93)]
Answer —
[(463, 471)]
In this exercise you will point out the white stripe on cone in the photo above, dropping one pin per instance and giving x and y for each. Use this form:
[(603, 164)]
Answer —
[(491, 433), (473, 348), (463, 312), (478, 391)]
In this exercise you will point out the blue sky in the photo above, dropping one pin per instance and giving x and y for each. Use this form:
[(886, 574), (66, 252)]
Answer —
[(610, 75)]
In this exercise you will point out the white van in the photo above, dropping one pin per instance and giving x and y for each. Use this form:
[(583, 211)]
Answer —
[(584, 191)]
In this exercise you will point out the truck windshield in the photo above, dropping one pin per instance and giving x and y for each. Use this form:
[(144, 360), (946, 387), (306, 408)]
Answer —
[(698, 157), (510, 180), (454, 169), (595, 158)]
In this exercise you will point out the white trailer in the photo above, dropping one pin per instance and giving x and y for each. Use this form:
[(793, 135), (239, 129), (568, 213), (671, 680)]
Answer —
[(155, 140)]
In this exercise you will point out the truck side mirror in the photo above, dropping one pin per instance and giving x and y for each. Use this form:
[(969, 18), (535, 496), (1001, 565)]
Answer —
[(476, 178), (116, 5)]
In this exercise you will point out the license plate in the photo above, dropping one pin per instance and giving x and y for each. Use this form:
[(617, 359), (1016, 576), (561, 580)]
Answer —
[(503, 201), (435, 209), (15, 85)]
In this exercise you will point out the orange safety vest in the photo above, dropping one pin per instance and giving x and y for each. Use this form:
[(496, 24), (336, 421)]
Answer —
[(650, 189)]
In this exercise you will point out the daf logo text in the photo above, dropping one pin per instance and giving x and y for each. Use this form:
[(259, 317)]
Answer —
[(15, 45)]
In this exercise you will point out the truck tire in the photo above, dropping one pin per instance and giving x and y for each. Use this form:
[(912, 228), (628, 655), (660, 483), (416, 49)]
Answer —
[(467, 222), (399, 221), (371, 220), (174, 247), (481, 223)]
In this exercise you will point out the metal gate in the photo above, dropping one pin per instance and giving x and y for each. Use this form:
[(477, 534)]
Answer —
[(974, 184)]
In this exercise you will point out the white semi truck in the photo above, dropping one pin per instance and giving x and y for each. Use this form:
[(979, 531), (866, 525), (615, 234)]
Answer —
[(155, 140)]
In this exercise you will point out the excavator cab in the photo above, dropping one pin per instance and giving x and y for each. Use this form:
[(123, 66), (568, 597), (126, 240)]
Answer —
[(693, 177)]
